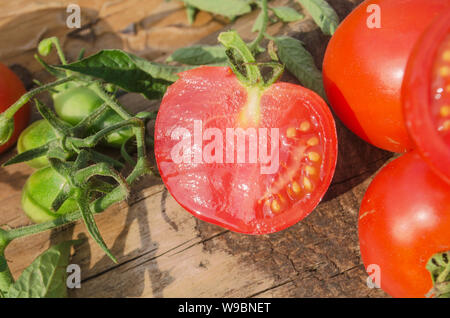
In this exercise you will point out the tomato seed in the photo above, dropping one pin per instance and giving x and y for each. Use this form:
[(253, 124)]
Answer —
[(291, 132), (445, 111), (275, 206), (446, 125), (310, 170), (313, 141), (305, 126), (307, 184), (444, 71), (296, 187), (313, 156), (446, 56)]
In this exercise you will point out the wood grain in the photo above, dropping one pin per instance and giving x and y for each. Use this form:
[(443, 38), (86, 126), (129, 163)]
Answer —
[(162, 250)]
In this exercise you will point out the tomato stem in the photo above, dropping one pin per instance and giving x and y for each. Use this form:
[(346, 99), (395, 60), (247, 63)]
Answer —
[(25, 98), (244, 59), (265, 12)]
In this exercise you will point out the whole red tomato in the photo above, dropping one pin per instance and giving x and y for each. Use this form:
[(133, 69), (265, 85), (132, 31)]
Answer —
[(364, 66), (251, 159), (426, 95), (11, 89), (404, 220)]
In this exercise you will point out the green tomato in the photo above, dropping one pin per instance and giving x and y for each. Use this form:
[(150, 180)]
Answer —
[(75, 103), (39, 193), (37, 134)]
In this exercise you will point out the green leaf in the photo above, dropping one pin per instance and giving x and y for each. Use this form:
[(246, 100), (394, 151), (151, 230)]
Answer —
[(199, 55), (287, 14), (89, 221), (258, 24), (128, 71), (227, 8), (46, 276), (300, 63), (323, 14), (28, 155)]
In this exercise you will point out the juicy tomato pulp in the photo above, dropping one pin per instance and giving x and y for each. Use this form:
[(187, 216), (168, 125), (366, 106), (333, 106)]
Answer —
[(440, 89), (253, 161), (426, 95)]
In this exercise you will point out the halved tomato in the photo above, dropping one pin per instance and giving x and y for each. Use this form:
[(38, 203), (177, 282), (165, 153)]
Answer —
[(250, 159), (426, 95)]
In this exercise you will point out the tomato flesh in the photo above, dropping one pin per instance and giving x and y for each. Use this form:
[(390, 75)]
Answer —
[(225, 181), (440, 88), (426, 95), (404, 220)]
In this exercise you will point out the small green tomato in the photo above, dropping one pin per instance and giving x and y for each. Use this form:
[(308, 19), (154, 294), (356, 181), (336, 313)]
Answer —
[(75, 103), (40, 191), (37, 134)]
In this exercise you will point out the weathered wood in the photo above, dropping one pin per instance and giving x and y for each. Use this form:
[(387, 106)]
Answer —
[(162, 250)]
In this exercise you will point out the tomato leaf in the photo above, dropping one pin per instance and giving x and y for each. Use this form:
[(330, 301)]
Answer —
[(46, 276), (300, 63), (323, 14), (228, 8), (128, 71), (287, 14), (199, 55), (28, 155)]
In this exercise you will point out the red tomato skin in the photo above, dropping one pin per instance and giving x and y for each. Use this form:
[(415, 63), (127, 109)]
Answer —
[(222, 201), (363, 68), (416, 97), (11, 89), (404, 219)]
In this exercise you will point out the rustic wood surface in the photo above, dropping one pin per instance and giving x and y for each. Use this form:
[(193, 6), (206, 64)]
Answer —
[(162, 250)]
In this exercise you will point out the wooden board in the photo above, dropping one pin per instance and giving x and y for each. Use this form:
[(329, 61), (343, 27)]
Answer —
[(162, 250)]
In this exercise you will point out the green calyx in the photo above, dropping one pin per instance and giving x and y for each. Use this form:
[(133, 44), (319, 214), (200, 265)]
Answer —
[(241, 55), (243, 62), (439, 268), (6, 128)]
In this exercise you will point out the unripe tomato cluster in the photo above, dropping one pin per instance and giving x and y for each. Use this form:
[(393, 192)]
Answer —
[(72, 104)]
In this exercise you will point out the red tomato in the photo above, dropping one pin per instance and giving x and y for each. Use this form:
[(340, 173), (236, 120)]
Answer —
[(11, 89), (221, 180), (363, 67), (426, 95), (404, 220)]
